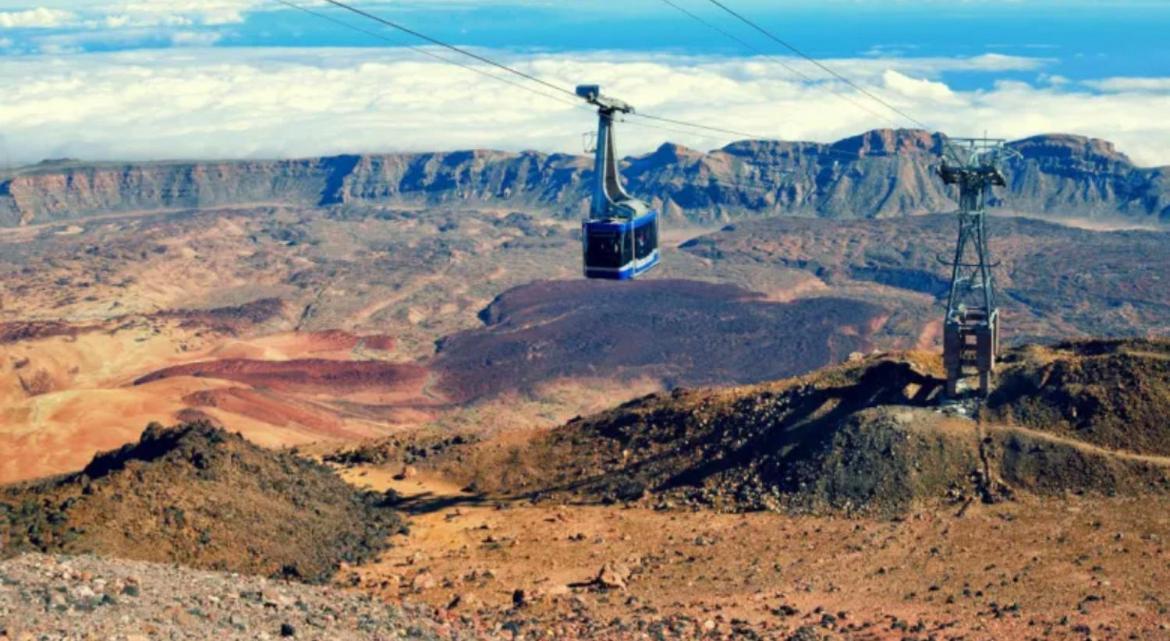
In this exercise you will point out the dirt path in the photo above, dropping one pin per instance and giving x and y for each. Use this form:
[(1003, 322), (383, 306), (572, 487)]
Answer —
[(1162, 461)]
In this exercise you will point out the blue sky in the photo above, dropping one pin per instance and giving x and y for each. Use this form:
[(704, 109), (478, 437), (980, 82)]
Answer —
[(85, 67)]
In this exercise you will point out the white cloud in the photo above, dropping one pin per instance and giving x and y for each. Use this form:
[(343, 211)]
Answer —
[(138, 20), (38, 18), (217, 103), (140, 13), (1154, 85), (116, 14), (206, 12), (194, 38), (917, 88)]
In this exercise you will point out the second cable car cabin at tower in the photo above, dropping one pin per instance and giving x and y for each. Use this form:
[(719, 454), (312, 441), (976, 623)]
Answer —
[(620, 239)]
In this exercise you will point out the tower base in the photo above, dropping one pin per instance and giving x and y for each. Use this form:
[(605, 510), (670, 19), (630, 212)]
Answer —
[(970, 349)]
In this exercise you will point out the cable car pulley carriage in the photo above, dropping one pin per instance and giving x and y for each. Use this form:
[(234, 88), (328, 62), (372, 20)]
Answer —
[(620, 238)]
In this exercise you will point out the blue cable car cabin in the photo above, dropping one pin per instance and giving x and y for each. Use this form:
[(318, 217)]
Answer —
[(620, 248), (620, 239)]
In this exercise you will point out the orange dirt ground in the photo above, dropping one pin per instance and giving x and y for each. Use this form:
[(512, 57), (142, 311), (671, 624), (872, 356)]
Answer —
[(65, 396), (1074, 568)]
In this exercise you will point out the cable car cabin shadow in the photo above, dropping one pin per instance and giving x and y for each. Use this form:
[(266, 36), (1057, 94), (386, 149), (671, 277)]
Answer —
[(620, 249)]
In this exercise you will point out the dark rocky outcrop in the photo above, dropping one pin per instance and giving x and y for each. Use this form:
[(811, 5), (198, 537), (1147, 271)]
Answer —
[(871, 437), (1112, 394), (197, 495)]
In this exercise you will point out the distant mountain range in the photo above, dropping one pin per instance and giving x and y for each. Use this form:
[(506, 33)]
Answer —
[(880, 173)]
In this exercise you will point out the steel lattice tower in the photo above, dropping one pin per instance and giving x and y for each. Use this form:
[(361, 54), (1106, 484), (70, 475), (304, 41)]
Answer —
[(971, 325)]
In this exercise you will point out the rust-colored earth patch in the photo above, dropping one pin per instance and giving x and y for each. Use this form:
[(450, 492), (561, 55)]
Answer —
[(381, 343), (272, 410), (301, 375)]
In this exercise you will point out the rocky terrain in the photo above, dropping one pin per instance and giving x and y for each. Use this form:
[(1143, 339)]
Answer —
[(1057, 567), (877, 174), (53, 597), (885, 517), (845, 504), (197, 495), (868, 437)]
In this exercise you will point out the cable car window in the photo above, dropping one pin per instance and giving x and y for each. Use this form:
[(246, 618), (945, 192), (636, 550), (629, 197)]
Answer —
[(607, 249), (646, 239)]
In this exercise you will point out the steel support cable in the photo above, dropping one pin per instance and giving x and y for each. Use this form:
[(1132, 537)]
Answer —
[(524, 87), (374, 34), (825, 149), (818, 63), (494, 63), (684, 123), (682, 132), (750, 47), (452, 47), (431, 54)]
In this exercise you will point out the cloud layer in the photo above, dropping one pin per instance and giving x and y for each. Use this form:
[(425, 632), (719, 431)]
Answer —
[(108, 14), (232, 103), (38, 18)]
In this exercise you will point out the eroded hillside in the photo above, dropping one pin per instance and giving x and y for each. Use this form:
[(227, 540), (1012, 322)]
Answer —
[(872, 437)]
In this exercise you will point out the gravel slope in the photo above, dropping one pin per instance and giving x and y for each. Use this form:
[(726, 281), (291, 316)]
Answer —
[(57, 597)]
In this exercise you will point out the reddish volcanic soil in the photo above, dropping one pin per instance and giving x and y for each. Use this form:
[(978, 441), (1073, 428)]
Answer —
[(302, 375), (68, 390), (270, 409)]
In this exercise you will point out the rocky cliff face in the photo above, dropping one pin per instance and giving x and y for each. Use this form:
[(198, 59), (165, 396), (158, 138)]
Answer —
[(1084, 176), (877, 174)]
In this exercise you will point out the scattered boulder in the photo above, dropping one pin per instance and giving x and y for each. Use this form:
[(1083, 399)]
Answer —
[(423, 581), (809, 633), (612, 576), (466, 601)]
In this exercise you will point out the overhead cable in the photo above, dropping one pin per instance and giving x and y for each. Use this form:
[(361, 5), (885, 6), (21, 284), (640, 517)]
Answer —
[(523, 86), (452, 47), (818, 63), (749, 46), (425, 52)]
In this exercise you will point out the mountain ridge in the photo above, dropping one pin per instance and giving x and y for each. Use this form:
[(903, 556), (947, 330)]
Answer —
[(879, 173)]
